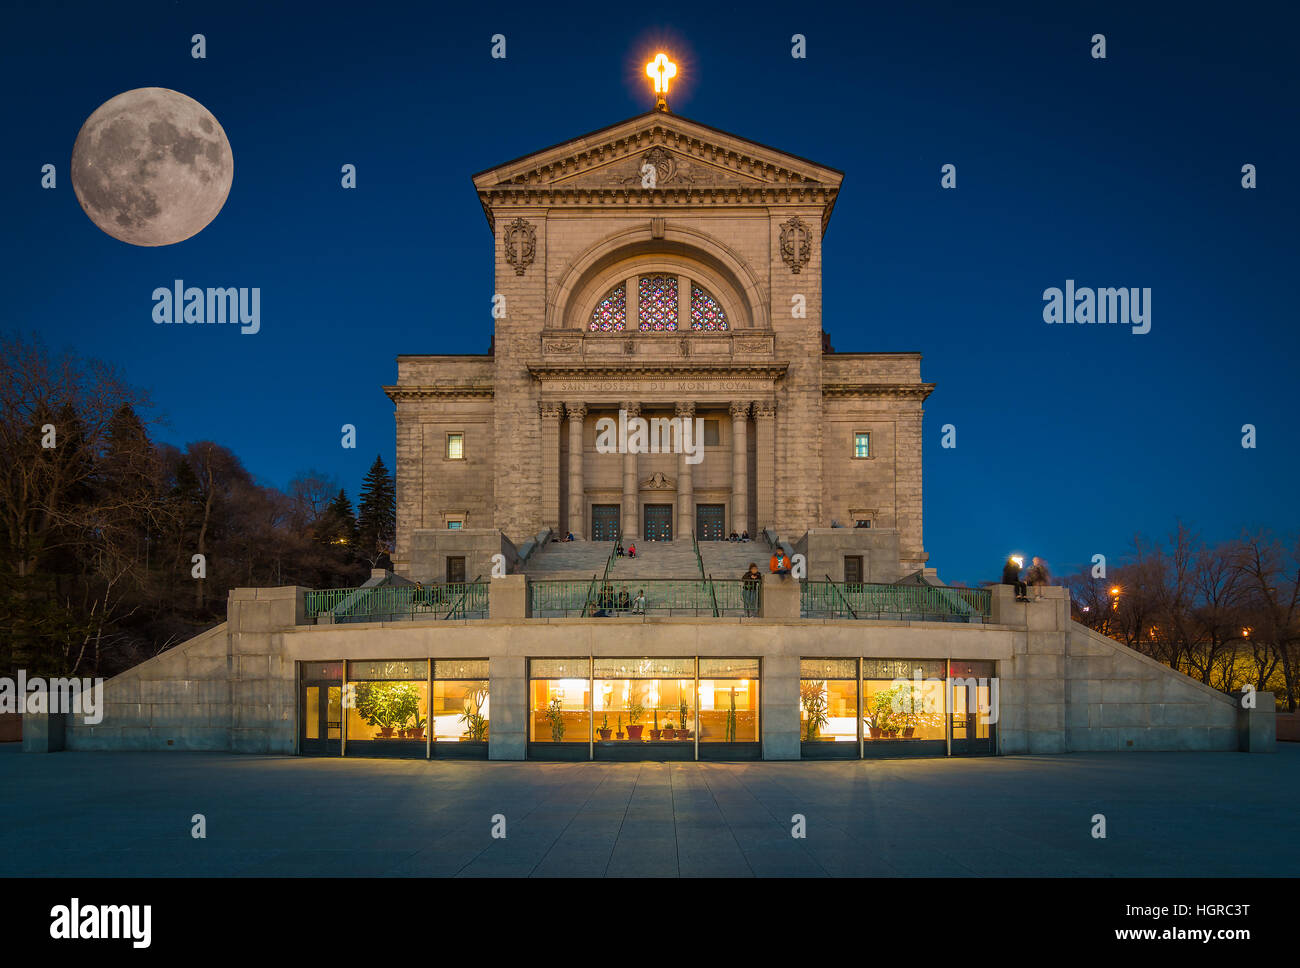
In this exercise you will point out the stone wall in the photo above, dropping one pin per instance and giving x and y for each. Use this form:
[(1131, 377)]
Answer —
[(431, 547), (826, 549), (1061, 686), (229, 688)]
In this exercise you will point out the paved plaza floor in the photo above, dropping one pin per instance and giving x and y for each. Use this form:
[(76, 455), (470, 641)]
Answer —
[(1166, 814)]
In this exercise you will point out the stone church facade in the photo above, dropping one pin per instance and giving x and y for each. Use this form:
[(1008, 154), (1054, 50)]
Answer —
[(661, 268), (658, 269)]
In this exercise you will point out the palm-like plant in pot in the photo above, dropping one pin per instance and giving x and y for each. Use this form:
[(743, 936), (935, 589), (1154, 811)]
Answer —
[(812, 696), (555, 716)]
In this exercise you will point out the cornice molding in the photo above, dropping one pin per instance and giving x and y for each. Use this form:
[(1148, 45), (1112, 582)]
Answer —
[(396, 393), (509, 197), (672, 369), (918, 390)]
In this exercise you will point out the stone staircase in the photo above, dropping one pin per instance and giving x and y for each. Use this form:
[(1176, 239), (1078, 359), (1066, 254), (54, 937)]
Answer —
[(568, 560), (730, 559), (658, 559)]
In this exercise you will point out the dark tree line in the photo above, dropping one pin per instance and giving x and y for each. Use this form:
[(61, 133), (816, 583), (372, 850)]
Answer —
[(100, 524), (1227, 614)]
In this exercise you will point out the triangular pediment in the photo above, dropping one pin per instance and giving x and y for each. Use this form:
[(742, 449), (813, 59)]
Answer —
[(685, 155)]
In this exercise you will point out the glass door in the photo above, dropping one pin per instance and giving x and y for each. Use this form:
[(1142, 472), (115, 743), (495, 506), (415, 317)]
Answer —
[(321, 718)]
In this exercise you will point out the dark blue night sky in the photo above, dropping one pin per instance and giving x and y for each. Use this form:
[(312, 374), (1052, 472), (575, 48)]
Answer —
[(1122, 172)]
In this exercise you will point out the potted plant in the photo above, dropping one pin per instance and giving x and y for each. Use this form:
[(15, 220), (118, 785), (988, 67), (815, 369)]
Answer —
[(886, 722), (475, 722), (555, 716), (417, 731), (682, 729), (914, 714), (634, 711), (619, 734), (604, 727), (655, 731), (812, 696), (387, 705), (670, 731)]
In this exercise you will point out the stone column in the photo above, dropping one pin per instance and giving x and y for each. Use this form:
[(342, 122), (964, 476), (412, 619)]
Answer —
[(683, 304), (508, 687), (765, 451), (739, 466), (551, 416), (631, 519), (576, 412), (685, 484)]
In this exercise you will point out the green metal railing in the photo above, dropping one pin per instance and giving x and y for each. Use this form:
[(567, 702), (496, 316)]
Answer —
[(609, 563), (670, 596), (395, 603), (831, 599)]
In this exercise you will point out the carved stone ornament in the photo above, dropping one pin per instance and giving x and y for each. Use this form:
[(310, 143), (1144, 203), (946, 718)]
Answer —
[(521, 244), (796, 244), (751, 345), (665, 167), (658, 482), (562, 346)]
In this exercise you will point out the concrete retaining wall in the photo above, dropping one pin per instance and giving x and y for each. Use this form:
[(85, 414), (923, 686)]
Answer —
[(1062, 687)]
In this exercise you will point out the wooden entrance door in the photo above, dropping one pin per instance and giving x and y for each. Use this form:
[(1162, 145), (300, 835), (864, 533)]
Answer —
[(604, 522), (659, 522), (710, 522)]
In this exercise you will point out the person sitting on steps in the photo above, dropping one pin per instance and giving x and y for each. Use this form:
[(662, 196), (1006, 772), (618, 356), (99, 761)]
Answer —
[(780, 563)]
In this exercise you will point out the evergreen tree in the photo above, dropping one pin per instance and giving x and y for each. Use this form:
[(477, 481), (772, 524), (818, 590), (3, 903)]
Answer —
[(377, 514), (338, 525)]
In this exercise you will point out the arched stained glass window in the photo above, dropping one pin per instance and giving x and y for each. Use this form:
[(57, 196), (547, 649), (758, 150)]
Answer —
[(658, 303), (706, 314), (611, 312)]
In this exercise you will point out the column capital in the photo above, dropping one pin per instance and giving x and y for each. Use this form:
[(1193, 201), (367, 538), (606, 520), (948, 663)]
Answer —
[(576, 411), (686, 408), (631, 407), (764, 408), (550, 410), (739, 409)]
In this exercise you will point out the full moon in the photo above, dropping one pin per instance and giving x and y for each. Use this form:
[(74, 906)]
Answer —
[(152, 167)]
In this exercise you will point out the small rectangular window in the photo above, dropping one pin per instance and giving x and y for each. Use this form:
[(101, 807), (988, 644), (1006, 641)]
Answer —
[(711, 437), (455, 447), (853, 569), (455, 525), (455, 570), (861, 445)]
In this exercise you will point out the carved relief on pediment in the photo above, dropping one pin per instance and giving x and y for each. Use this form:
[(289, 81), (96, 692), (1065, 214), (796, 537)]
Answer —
[(657, 167)]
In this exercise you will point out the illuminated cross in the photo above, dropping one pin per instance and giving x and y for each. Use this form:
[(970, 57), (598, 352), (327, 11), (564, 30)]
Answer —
[(661, 69)]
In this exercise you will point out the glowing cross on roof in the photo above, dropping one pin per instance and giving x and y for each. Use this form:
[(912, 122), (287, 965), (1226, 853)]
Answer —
[(661, 69)]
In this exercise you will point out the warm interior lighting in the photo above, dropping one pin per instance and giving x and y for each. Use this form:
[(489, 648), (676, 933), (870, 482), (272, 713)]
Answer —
[(1115, 590), (661, 69)]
